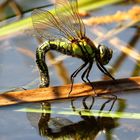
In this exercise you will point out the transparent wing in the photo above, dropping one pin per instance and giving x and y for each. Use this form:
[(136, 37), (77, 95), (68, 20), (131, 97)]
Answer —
[(46, 25), (66, 23), (70, 18)]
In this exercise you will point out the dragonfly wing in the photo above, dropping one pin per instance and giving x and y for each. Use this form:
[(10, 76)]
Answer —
[(67, 12), (47, 26)]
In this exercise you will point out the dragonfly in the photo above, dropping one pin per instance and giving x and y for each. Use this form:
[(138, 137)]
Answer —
[(64, 31)]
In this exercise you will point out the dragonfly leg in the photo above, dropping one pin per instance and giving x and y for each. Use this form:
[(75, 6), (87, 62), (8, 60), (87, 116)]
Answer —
[(85, 105), (109, 100), (83, 75), (86, 73), (43, 69), (74, 74), (104, 70)]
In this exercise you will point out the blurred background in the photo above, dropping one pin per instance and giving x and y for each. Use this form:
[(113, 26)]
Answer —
[(114, 23)]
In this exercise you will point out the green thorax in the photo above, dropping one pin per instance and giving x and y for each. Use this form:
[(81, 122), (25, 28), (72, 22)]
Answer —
[(78, 48)]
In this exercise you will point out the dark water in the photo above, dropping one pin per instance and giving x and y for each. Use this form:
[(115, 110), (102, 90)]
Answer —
[(68, 119), (73, 119)]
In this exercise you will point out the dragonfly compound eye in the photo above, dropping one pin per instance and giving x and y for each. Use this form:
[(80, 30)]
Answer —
[(105, 54)]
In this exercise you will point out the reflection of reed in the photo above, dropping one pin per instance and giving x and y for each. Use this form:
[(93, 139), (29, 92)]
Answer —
[(136, 70), (13, 5), (59, 67), (131, 44)]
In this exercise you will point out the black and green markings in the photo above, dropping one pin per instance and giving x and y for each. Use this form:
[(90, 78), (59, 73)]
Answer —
[(65, 33)]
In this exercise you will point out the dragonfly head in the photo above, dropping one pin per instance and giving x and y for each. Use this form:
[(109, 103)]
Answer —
[(104, 54)]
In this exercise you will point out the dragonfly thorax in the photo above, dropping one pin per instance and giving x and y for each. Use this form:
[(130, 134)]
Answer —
[(84, 49)]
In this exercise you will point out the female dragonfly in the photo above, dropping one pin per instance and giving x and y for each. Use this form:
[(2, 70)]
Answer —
[(65, 33)]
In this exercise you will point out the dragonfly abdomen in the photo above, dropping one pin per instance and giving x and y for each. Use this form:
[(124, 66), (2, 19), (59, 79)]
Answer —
[(62, 47), (41, 51)]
